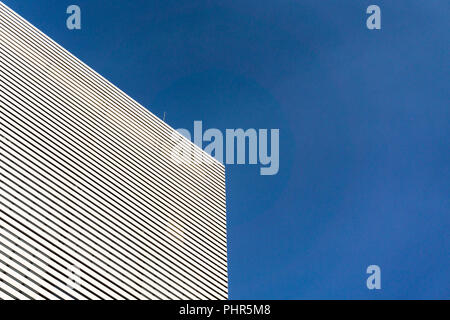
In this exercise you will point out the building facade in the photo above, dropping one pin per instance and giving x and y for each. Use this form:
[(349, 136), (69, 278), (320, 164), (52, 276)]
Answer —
[(94, 203)]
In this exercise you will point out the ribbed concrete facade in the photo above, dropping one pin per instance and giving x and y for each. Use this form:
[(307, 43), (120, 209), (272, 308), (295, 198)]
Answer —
[(93, 204)]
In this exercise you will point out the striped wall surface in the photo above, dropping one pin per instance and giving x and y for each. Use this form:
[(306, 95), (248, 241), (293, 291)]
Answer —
[(94, 202)]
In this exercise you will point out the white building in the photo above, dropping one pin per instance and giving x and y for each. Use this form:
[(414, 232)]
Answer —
[(92, 205)]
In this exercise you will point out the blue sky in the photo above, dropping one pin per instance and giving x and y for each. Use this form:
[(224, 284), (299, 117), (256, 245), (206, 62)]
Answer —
[(364, 128)]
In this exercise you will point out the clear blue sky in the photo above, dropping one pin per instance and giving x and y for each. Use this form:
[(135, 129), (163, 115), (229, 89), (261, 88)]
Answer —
[(364, 128)]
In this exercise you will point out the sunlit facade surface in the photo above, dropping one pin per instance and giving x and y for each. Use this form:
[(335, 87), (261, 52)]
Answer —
[(93, 203)]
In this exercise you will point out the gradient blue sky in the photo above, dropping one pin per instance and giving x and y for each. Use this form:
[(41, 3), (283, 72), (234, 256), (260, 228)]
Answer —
[(364, 128)]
